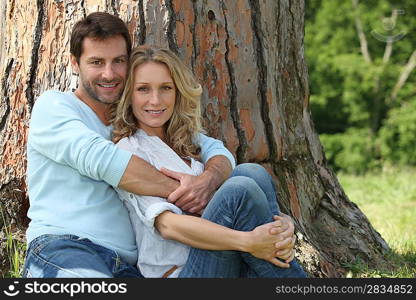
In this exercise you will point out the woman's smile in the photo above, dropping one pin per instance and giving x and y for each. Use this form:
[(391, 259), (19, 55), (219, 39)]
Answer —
[(155, 112)]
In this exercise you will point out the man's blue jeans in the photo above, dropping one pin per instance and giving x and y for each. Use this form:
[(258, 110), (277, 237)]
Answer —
[(68, 256), (245, 201)]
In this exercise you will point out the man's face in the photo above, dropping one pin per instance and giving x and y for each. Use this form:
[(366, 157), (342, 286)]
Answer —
[(102, 69)]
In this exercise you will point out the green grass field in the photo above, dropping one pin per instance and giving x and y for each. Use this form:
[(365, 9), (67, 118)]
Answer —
[(388, 199)]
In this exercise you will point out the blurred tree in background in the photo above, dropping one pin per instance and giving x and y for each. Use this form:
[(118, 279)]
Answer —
[(361, 57)]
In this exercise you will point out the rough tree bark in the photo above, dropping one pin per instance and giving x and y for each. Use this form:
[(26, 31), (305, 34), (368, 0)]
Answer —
[(249, 56)]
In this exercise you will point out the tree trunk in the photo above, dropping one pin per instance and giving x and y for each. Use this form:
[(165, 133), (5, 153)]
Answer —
[(249, 57)]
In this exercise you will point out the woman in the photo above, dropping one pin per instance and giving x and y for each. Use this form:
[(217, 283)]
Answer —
[(158, 118)]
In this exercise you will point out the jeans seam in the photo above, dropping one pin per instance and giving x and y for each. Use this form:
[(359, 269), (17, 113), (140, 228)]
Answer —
[(117, 263), (43, 240), (52, 264)]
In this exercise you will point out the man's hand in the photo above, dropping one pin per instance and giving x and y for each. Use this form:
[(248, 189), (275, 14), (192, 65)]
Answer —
[(193, 193)]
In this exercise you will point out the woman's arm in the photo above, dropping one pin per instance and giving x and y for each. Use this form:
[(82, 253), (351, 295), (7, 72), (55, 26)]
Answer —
[(201, 233)]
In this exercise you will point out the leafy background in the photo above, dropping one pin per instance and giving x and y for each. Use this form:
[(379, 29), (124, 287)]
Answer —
[(364, 117)]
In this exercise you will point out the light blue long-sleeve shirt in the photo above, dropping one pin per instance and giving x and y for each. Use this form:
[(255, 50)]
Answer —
[(72, 169)]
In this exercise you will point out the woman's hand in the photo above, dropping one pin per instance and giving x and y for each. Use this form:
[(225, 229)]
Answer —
[(285, 247), (268, 239), (275, 241)]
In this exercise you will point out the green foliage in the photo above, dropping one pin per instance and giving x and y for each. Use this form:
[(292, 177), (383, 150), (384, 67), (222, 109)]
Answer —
[(350, 151), (398, 135), (350, 97)]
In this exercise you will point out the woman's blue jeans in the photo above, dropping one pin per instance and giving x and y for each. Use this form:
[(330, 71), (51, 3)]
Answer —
[(246, 200)]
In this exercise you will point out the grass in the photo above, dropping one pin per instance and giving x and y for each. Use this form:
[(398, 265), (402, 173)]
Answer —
[(388, 199), (13, 250), (15, 253)]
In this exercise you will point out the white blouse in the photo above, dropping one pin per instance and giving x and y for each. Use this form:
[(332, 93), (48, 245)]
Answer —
[(156, 255)]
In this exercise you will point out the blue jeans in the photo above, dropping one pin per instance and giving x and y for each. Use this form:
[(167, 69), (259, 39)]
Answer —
[(68, 256), (246, 200)]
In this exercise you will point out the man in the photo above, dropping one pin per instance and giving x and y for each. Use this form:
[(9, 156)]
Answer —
[(79, 227)]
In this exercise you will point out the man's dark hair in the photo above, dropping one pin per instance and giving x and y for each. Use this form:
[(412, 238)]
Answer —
[(98, 25)]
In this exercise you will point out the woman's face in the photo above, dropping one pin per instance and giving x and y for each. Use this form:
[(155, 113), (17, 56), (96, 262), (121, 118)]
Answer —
[(153, 97)]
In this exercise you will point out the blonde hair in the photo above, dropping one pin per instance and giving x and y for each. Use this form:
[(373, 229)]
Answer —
[(185, 123)]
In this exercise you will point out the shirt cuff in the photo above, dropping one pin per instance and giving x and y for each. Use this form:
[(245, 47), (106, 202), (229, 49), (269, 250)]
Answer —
[(117, 167), (156, 209), (227, 154)]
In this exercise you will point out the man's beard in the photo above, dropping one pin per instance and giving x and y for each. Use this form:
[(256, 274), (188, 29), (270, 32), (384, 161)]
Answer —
[(93, 95)]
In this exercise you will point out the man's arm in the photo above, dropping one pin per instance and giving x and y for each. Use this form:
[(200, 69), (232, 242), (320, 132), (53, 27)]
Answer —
[(217, 170), (61, 132), (143, 179), (211, 147)]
